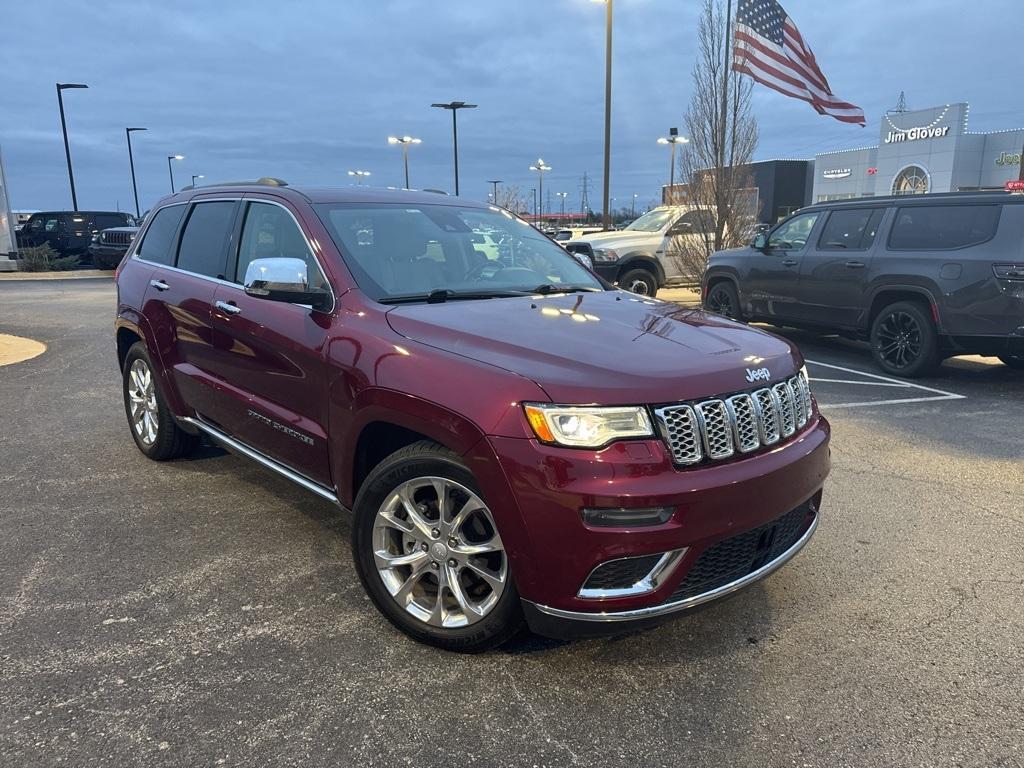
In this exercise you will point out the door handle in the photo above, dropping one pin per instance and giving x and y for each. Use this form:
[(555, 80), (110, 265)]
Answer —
[(789, 262), (231, 309), (855, 265), (160, 285)]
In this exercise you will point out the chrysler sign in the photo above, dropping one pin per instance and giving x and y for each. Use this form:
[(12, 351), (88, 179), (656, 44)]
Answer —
[(836, 173), (913, 134)]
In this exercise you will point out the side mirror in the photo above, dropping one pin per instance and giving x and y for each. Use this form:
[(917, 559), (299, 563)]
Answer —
[(283, 279), (585, 260), (760, 242)]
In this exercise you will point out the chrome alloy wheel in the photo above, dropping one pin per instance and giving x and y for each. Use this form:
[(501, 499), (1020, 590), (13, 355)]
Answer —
[(142, 402), (438, 552), (639, 287)]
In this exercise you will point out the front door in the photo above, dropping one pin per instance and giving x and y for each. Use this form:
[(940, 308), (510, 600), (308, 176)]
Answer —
[(771, 282), (270, 356), (834, 269)]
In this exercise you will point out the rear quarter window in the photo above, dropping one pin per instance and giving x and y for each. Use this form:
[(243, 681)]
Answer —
[(942, 227)]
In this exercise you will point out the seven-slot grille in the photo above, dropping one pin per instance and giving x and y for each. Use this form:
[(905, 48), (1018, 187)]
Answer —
[(718, 429), (108, 237)]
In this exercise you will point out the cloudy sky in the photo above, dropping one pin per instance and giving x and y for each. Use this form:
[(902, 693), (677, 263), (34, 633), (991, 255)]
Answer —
[(309, 89)]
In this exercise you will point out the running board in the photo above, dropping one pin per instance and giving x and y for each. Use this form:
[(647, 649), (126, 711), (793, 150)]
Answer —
[(251, 453)]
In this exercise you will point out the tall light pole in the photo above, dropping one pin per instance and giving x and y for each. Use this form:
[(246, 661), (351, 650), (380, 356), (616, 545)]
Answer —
[(131, 162), (673, 139), (607, 109), (541, 168), (405, 141), (494, 183), (64, 128), (562, 195), (170, 170), (455, 106), (533, 191), (632, 207), (196, 176), (359, 176)]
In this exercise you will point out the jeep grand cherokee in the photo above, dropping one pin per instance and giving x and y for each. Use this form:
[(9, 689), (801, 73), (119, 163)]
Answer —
[(517, 444)]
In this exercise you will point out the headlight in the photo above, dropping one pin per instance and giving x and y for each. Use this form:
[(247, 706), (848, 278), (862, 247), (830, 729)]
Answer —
[(605, 255), (586, 426)]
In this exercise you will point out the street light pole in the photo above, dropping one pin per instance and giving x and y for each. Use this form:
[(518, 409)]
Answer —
[(64, 129), (196, 176), (607, 111), (131, 162), (170, 170), (494, 183), (673, 139), (455, 106), (632, 208), (562, 195), (535, 219), (541, 167), (359, 176), (405, 141)]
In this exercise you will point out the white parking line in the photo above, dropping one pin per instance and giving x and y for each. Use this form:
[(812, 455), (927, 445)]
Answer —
[(938, 394), (862, 383)]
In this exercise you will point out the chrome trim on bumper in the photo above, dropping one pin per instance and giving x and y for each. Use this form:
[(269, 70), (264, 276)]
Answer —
[(654, 578), (690, 602), (259, 458)]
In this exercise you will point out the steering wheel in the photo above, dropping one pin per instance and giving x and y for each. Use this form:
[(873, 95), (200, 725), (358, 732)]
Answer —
[(480, 271)]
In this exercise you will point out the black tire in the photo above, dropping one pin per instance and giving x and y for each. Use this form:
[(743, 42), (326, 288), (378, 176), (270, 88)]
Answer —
[(723, 300), (639, 281), (426, 459), (1014, 361), (168, 441), (904, 341)]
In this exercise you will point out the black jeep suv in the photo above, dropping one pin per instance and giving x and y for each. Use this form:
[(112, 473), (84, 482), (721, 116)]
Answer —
[(923, 278)]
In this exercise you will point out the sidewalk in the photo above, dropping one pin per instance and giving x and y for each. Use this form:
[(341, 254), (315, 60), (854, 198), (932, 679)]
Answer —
[(72, 274), (686, 297)]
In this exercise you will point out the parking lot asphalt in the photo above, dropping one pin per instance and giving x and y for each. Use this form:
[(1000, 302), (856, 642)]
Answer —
[(205, 612)]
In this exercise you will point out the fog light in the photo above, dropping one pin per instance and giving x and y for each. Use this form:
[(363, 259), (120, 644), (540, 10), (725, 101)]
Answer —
[(627, 518)]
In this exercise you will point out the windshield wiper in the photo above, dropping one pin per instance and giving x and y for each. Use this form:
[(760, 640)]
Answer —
[(547, 288), (442, 295)]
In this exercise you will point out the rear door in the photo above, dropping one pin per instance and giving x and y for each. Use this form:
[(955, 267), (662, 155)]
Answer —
[(269, 356), (834, 268), (179, 300), (770, 285)]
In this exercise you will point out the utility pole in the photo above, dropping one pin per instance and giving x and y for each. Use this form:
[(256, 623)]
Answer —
[(584, 196)]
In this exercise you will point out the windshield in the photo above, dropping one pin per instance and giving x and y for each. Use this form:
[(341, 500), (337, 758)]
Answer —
[(652, 221), (401, 251)]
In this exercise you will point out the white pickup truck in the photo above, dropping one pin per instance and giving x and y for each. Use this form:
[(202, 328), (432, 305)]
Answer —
[(641, 257)]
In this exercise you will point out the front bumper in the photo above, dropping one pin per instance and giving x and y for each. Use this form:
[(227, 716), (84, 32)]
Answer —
[(540, 490)]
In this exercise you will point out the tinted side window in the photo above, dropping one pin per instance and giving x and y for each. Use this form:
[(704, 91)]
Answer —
[(849, 230), (159, 242), (270, 232), (203, 242), (942, 227)]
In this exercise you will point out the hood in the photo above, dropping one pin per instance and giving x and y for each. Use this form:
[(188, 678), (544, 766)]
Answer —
[(621, 239), (610, 348)]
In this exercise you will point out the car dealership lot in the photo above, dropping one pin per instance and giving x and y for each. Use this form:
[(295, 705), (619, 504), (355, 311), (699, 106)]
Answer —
[(205, 610)]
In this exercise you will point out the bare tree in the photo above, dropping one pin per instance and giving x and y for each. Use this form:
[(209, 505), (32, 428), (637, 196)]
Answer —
[(715, 164), (511, 198)]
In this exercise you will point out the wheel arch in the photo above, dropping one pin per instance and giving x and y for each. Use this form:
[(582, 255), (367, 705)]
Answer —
[(387, 420), (642, 260), (890, 294)]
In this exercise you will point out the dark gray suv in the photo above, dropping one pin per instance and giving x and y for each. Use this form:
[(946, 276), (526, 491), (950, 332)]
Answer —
[(923, 277)]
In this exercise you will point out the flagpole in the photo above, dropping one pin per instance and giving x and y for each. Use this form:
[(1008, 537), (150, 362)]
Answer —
[(725, 74)]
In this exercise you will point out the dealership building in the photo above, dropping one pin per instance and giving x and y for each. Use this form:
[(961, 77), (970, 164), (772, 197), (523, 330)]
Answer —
[(919, 151)]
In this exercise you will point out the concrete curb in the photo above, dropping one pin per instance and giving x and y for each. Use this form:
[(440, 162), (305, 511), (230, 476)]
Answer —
[(73, 274)]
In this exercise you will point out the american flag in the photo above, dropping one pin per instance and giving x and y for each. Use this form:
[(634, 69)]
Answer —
[(768, 47)]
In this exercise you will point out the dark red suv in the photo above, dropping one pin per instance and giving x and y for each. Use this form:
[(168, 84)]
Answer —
[(517, 440)]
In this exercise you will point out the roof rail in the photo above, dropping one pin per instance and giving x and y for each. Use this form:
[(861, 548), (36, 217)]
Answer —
[(264, 181), (436, 191)]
